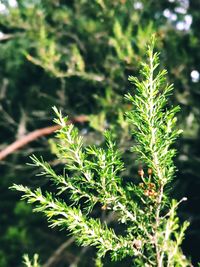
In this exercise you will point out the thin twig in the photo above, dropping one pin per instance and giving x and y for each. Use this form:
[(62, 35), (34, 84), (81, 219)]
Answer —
[(54, 258), (35, 135)]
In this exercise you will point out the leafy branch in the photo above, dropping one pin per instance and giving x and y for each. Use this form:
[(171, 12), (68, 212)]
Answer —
[(151, 233)]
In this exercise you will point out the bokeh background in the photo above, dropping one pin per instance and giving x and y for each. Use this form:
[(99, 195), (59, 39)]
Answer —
[(77, 55)]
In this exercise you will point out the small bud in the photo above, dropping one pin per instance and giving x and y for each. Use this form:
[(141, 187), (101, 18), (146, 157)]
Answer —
[(151, 185), (141, 173), (137, 244), (149, 171), (146, 192), (150, 193), (141, 185)]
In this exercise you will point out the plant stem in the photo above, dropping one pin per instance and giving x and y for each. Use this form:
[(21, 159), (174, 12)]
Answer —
[(155, 160)]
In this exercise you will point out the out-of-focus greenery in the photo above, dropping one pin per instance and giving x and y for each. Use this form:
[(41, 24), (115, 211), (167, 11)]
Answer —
[(77, 55)]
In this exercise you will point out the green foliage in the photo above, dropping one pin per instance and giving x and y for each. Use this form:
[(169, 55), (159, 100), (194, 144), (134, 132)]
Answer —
[(151, 232), (154, 122), (77, 56)]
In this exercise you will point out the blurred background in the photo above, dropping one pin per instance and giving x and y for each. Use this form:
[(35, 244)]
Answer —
[(77, 55)]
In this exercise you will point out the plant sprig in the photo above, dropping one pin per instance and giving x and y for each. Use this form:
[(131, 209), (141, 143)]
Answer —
[(151, 234)]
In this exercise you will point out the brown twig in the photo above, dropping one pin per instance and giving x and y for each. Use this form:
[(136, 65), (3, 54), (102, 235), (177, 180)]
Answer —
[(59, 251), (30, 137)]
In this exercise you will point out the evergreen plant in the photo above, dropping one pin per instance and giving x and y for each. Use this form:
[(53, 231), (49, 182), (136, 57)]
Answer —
[(151, 232)]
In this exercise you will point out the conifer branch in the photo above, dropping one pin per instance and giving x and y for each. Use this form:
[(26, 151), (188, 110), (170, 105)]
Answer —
[(91, 178), (155, 132), (88, 232)]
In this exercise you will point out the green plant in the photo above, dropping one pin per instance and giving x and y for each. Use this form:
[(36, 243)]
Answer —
[(151, 233)]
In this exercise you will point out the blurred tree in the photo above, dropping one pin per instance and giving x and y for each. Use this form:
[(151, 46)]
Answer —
[(77, 55)]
